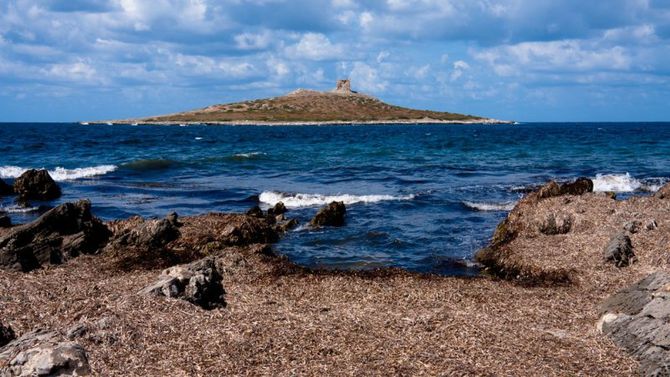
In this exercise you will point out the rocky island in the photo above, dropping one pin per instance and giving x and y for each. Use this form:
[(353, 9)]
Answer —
[(574, 283), (309, 107)]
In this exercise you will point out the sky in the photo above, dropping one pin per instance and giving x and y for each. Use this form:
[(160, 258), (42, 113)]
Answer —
[(525, 60)]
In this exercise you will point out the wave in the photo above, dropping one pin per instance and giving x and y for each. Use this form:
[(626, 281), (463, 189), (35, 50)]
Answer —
[(490, 207), (310, 200), (17, 209), (60, 173), (150, 164), (249, 155), (626, 183)]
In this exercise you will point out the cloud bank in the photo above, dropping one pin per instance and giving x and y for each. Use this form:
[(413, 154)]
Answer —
[(513, 59)]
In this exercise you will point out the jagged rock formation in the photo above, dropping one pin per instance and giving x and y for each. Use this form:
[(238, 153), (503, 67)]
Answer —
[(36, 185), (61, 233), (330, 215)]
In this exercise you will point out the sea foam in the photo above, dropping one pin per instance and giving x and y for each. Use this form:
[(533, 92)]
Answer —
[(490, 207), (60, 173), (626, 183), (310, 200)]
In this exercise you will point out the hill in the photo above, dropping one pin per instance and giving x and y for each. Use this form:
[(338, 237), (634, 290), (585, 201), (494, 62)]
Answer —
[(342, 105)]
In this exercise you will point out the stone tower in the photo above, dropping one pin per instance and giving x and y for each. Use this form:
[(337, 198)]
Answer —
[(343, 86)]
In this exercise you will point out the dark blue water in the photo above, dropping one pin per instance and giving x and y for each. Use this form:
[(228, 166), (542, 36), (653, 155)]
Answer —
[(423, 197)]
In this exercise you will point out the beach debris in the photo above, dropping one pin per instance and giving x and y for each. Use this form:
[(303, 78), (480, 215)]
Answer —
[(651, 225), (198, 283), (330, 215), (36, 185), (637, 318), (60, 234), (6, 334), (553, 225), (42, 353), (5, 189), (619, 250)]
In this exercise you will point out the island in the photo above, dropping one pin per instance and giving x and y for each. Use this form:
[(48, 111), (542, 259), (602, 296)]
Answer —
[(310, 107)]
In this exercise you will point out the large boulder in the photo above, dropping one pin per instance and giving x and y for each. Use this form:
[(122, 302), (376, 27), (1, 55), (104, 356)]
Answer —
[(5, 221), (43, 353), (61, 233), (36, 185), (638, 319), (198, 283), (663, 192), (619, 250), (5, 189), (150, 234), (330, 215)]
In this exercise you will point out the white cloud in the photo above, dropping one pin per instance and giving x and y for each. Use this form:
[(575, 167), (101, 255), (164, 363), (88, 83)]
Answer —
[(253, 41), (314, 46), (366, 78)]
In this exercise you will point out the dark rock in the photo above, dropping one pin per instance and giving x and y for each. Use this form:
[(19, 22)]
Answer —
[(578, 187), (5, 189), (278, 209), (256, 211), (549, 190), (76, 331), (619, 250), (285, 226), (6, 335), (330, 215), (663, 192), (173, 218), (36, 185), (198, 283), (248, 231), (60, 234), (42, 353), (637, 318), (150, 234), (553, 226), (5, 221), (651, 225), (632, 226)]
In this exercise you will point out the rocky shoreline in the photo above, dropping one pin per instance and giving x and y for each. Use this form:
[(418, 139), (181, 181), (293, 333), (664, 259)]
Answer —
[(207, 294)]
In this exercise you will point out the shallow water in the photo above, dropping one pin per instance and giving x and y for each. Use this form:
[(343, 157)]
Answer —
[(423, 197)]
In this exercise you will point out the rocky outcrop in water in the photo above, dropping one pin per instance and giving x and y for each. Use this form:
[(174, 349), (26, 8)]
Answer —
[(638, 319), (330, 215), (43, 353), (61, 233), (198, 283), (36, 185)]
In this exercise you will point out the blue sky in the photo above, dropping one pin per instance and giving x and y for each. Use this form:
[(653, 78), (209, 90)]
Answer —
[(528, 60)]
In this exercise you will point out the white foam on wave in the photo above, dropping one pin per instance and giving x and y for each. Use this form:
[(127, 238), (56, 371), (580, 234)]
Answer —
[(60, 173), (249, 154), (17, 209), (310, 200), (626, 183), (490, 207)]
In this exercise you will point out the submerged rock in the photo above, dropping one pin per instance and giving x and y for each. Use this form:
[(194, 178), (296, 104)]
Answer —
[(36, 185), (198, 283), (61, 233), (42, 353), (637, 318), (619, 250), (330, 215)]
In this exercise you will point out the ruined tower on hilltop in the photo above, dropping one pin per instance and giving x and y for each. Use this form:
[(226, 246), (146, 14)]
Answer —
[(343, 87)]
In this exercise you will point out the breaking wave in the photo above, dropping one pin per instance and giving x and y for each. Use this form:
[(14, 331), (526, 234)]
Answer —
[(248, 155), (17, 209), (310, 200), (60, 173), (490, 207), (626, 183)]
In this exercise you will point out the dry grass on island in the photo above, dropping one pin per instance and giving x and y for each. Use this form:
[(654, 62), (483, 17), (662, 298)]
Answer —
[(309, 106), (535, 315)]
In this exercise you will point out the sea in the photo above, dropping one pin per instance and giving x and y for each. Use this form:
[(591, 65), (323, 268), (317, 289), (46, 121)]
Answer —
[(419, 197)]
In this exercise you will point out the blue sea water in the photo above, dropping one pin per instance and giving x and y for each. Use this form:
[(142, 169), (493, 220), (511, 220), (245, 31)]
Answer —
[(422, 197)]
